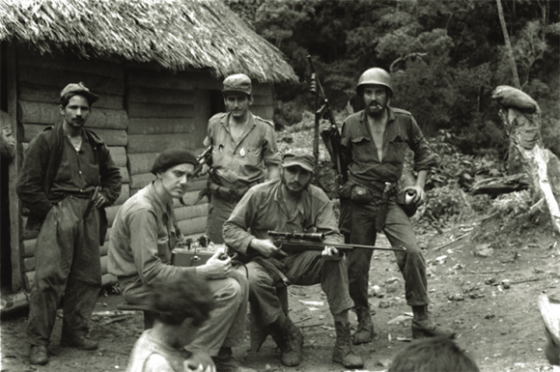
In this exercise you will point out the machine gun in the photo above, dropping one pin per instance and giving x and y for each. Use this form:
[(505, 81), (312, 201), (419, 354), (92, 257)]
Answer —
[(299, 242), (202, 159), (331, 137)]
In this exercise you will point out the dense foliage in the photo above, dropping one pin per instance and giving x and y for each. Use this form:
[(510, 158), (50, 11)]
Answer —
[(445, 57)]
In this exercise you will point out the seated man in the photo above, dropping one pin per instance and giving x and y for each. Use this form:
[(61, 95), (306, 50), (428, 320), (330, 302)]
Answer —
[(180, 306), (291, 204), (142, 238), (438, 354)]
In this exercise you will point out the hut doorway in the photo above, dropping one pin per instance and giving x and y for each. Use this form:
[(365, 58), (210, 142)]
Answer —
[(216, 103)]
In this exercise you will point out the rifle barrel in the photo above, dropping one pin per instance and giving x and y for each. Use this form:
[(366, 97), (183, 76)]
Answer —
[(337, 245)]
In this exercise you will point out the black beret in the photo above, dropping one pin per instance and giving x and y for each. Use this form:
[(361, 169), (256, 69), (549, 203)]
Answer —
[(172, 157)]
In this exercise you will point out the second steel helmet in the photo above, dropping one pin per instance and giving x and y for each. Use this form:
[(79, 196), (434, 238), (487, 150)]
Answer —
[(375, 76)]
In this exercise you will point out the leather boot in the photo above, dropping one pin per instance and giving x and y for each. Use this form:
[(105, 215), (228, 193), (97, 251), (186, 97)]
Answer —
[(289, 339), (78, 342), (364, 333), (343, 352), (38, 354), (423, 325)]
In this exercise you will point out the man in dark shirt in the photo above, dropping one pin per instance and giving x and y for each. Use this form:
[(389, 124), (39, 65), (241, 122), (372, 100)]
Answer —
[(291, 205), (374, 145), (66, 180)]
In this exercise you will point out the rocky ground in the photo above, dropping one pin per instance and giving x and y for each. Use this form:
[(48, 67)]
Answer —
[(484, 280)]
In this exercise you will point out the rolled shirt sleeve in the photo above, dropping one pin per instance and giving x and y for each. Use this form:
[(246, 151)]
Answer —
[(235, 230)]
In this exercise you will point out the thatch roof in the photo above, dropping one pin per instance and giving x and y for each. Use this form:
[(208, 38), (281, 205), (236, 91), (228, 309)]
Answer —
[(177, 34)]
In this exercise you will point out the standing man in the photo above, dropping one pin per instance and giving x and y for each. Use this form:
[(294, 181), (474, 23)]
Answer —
[(142, 239), (66, 180), (291, 204), (244, 153), (374, 144)]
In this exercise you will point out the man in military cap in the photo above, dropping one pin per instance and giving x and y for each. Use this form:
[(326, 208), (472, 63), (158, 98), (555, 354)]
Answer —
[(244, 152), (67, 178), (374, 143), (291, 204)]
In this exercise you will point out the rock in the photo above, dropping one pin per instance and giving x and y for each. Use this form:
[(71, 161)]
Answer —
[(485, 252), (456, 297), (384, 304), (490, 281), (391, 280), (506, 283)]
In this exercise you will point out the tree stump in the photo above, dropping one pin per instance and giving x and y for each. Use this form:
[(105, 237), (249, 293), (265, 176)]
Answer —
[(521, 117)]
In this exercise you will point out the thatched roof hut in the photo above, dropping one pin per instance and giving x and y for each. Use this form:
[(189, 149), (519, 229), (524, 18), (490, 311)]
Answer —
[(177, 34), (157, 66)]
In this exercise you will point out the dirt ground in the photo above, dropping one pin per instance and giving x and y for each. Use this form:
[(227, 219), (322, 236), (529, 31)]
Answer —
[(501, 327)]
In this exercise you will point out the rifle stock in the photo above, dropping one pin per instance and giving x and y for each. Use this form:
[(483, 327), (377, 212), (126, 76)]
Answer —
[(314, 242)]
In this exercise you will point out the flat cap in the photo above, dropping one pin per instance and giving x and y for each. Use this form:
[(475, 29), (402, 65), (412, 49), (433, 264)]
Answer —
[(237, 83), (304, 160), (79, 88), (172, 157)]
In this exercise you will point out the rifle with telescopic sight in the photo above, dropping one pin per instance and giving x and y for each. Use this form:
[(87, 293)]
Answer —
[(299, 242)]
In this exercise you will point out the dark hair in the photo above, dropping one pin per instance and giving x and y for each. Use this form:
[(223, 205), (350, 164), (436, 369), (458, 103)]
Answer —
[(66, 98), (438, 354), (185, 295)]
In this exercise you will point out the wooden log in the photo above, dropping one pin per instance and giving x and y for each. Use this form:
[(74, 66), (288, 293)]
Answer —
[(59, 79), (141, 163), (49, 114), (106, 278), (111, 137), (160, 79), (190, 212), (160, 125), (158, 95), (159, 110), (124, 174), (15, 226), (192, 226), (29, 247), (138, 181), (29, 264), (118, 154), (141, 144), (47, 94), (67, 62), (124, 195)]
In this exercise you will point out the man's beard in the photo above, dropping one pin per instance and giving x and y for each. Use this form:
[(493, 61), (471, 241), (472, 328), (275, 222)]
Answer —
[(301, 190)]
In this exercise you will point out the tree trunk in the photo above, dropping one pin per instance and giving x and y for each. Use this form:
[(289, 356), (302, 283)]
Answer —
[(521, 117), (516, 82)]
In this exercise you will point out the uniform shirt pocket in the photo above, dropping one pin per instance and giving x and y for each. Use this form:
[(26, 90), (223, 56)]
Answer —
[(361, 149)]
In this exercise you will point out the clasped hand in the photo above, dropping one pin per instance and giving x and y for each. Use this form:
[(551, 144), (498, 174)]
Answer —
[(215, 268), (419, 194)]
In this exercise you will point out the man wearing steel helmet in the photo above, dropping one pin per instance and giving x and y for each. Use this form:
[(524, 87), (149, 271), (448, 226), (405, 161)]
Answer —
[(244, 151), (291, 204), (142, 239), (67, 178), (374, 143)]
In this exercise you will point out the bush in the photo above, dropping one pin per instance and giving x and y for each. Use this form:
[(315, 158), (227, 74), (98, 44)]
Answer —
[(286, 114)]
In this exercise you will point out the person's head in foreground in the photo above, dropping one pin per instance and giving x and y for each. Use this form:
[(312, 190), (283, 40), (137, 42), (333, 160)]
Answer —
[(438, 354), (550, 312), (181, 305), (297, 171), (173, 169)]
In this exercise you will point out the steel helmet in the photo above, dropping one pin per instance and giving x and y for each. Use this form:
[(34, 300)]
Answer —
[(375, 76)]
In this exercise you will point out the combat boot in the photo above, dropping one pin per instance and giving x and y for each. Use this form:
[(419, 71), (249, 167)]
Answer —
[(343, 352), (289, 339), (364, 333), (38, 354), (423, 325)]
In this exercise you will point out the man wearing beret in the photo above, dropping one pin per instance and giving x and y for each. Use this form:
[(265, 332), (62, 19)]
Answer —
[(66, 180), (142, 238), (244, 153), (291, 204)]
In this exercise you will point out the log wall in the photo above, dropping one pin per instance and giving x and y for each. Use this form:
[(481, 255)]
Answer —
[(141, 111)]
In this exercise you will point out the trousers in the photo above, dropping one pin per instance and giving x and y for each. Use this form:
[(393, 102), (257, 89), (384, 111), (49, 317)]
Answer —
[(67, 268), (218, 213), (400, 234), (226, 325), (305, 268)]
